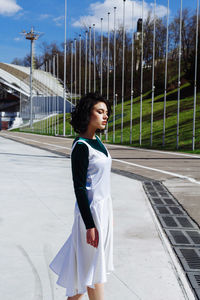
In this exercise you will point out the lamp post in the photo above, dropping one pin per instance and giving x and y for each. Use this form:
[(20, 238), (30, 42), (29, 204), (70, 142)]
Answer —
[(31, 36)]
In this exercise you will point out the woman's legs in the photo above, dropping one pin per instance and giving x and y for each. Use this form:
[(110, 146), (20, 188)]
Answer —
[(76, 297), (94, 294), (97, 293)]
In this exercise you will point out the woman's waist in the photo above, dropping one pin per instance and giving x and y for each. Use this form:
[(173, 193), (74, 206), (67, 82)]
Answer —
[(96, 204), (97, 193), (93, 183)]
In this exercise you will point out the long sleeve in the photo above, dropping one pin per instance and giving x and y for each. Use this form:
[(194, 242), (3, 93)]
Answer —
[(80, 163)]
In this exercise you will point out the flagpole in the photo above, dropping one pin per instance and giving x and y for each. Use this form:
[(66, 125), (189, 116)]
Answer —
[(71, 69), (141, 80), (86, 37), (46, 102), (71, 76), (153, 71), (79, 65), (58, 102), (65, 50), (50, 95), (179, 77), (75, 69), (166, 63), (94, 57), (123, 57), (89, 59), (132, 66), (114, 75), (108, 68), (195, 78), (101, 89)]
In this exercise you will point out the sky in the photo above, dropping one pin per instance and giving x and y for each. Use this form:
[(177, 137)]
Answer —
[(47, 17)]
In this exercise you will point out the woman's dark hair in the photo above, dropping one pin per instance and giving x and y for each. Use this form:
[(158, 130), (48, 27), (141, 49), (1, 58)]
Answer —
[(80, 116)]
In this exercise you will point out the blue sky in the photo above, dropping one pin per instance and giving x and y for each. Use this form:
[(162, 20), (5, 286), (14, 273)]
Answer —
[(47, 16)]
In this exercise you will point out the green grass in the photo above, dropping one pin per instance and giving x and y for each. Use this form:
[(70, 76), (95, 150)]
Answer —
[(185, 123), (175, 77)]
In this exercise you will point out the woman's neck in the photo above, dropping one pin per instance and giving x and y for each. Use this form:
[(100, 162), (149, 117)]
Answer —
[(87, 137)]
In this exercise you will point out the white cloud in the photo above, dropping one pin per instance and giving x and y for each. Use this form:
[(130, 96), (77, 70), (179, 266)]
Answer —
[(17, 39), (9, 7), (59, 20), (44, 16), (100, 10)]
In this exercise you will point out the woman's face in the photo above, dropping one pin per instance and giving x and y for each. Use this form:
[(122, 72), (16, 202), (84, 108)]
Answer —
[(99, 116)]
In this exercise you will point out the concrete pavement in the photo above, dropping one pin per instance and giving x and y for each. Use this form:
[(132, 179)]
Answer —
[(37, 202), (179, 172)]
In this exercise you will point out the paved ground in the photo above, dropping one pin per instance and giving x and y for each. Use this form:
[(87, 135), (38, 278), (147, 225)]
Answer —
[(37, 201), (179, 172)]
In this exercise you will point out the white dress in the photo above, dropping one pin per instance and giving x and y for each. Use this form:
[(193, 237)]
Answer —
[(77, 263)]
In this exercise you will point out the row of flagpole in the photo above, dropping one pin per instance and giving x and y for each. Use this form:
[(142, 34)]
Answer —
[(88, 61), (52, 67), (46, 105)]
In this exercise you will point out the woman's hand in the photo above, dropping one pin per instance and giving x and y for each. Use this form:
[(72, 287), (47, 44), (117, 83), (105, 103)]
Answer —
[(92, 237)]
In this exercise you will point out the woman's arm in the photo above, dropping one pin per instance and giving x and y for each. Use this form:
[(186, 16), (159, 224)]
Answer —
[(79, 159)]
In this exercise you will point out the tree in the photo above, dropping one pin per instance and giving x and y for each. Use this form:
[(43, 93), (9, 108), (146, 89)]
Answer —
[(188, 32)]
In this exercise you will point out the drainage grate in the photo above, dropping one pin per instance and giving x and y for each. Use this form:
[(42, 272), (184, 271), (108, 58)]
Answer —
[(177, 222), (195, 236), (169, 210), (181, 230), (178, 237), (197, 291), (157, 184), (158, 192), (190, 259), (156, 201), (162, 210), (184, 237), (170, 201), (176, 210), (153, 194), (194, 278), (163, 194), (186, 222), (163, 201), (168, 221)]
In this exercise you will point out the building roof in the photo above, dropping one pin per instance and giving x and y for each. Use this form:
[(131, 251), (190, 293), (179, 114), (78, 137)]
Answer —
[(16, 79)]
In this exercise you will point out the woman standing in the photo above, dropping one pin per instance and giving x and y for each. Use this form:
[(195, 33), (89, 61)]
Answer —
[(85, 259)]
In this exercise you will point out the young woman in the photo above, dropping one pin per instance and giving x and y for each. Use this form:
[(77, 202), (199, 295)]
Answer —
[(85, 259)]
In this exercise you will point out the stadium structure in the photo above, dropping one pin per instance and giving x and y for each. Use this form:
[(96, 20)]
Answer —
[(47, 96)]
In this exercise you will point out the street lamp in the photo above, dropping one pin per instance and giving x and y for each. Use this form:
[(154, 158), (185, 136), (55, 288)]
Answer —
[(32, 36)]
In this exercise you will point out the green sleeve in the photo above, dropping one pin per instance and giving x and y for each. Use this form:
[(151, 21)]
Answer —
[(79, 160)]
